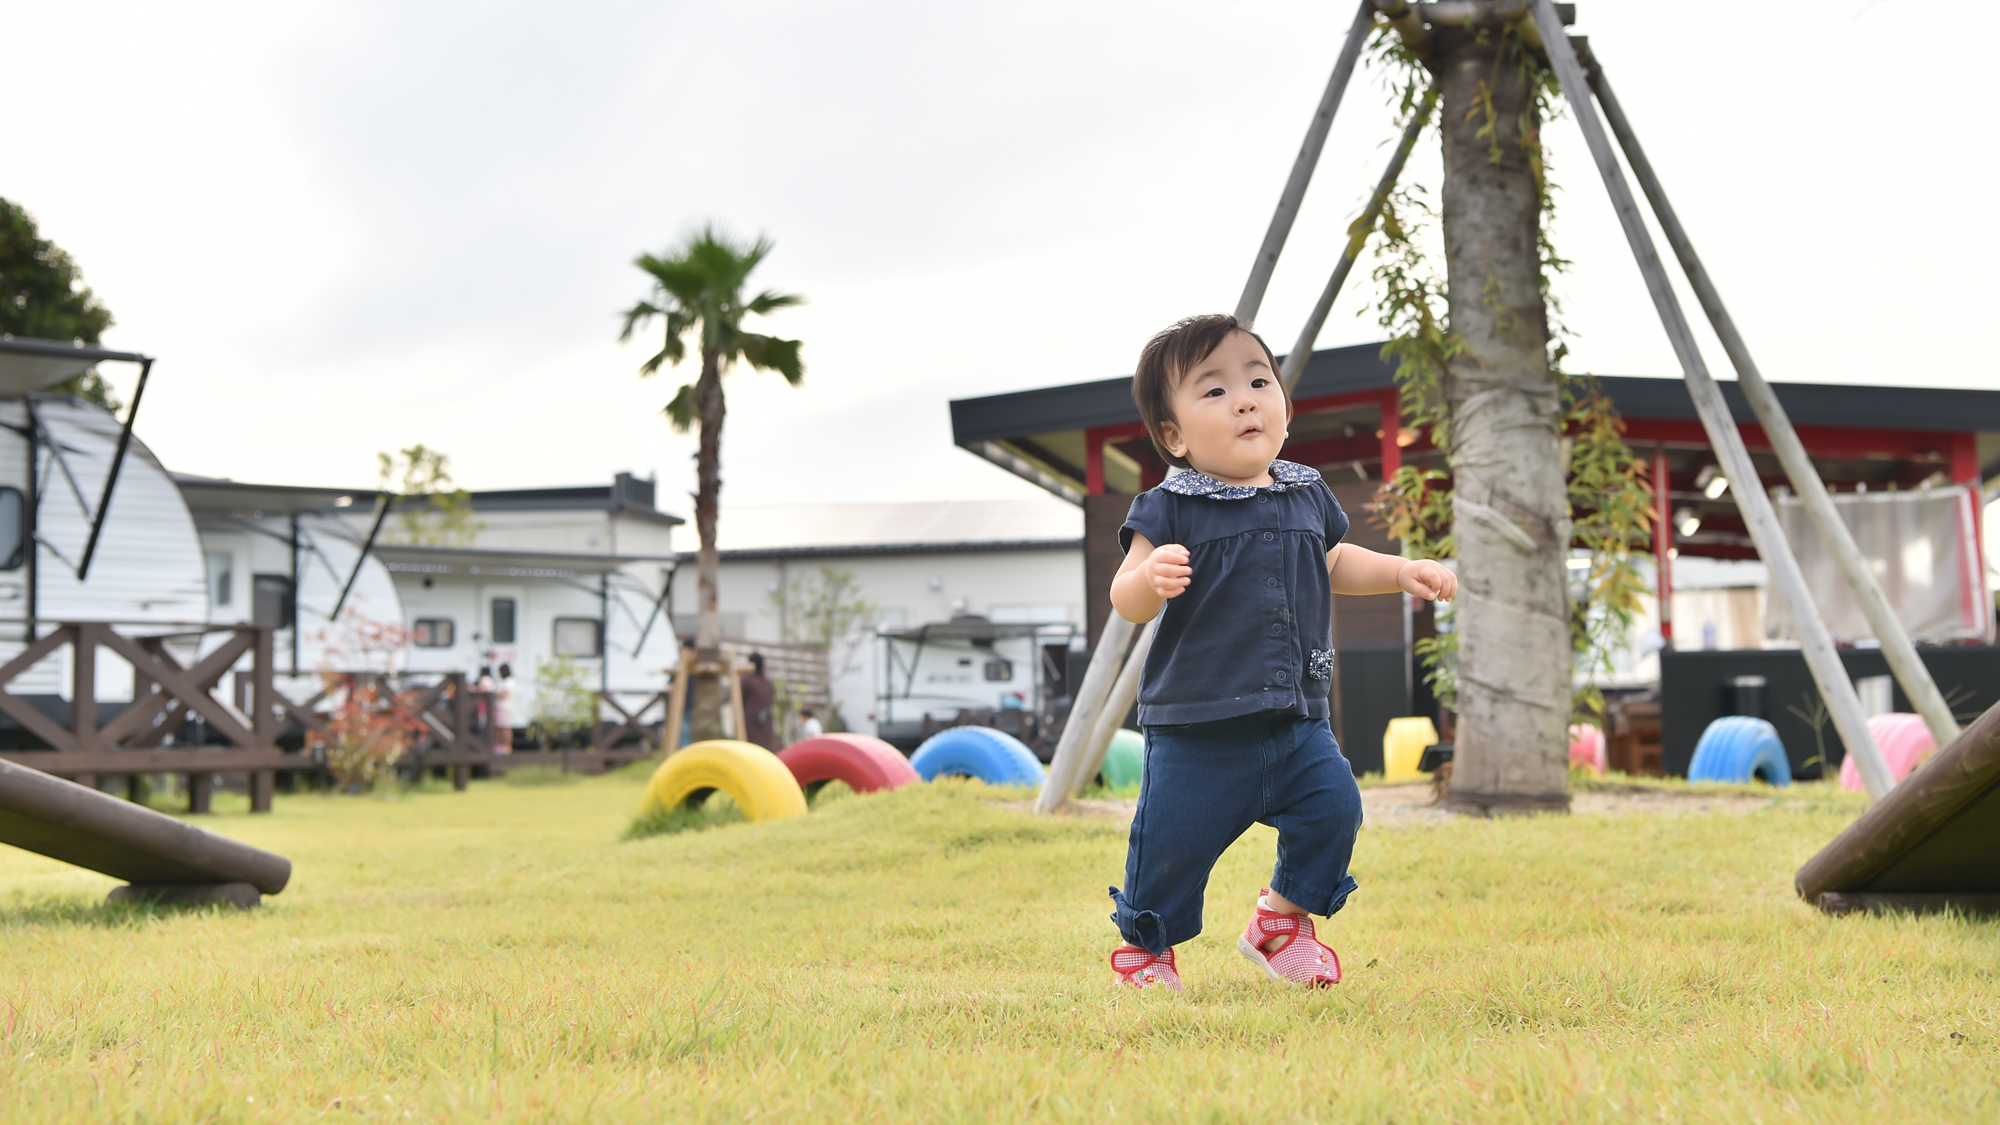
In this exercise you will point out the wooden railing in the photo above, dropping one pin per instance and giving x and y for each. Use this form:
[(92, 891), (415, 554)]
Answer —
[(243, 736), (446, 710), (165, 693)]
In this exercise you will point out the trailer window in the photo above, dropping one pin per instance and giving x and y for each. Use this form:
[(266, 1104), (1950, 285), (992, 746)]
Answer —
[(579, 636), (221, 577), (503, 621), (11, 553), (999, 670), (271, 601), (433, 632)]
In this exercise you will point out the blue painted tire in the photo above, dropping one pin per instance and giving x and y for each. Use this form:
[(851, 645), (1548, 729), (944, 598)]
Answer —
[(1738, 749), (1125, 761), (992, 756)]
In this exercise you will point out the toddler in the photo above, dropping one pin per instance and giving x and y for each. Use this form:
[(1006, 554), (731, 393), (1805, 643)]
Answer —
[(1241, 551)]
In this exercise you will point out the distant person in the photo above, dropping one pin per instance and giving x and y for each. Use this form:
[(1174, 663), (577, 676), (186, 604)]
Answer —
[(809, 726), (483, 688), (506, 715), (759, 696)]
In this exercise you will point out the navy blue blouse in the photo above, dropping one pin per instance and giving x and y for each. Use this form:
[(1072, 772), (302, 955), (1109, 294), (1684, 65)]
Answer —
[(1254, 629)]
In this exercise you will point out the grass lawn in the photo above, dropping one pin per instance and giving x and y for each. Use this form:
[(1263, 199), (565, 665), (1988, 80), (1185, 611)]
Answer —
[(502, 955)]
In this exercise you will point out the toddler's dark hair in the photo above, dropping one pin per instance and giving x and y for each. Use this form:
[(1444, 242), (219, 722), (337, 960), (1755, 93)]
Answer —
[(1166, 360)]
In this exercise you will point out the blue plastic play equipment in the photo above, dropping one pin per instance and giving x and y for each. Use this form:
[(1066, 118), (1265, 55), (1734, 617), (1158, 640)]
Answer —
[(992, 756), (1125, 761), (1739, 749)]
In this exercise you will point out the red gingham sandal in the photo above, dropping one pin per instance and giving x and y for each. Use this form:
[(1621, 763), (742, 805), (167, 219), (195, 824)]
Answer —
[(1140, 968), (1300, 958)]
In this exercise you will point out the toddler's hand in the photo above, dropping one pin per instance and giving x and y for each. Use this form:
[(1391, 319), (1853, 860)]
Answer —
[(1427, 580), (1167, 571)]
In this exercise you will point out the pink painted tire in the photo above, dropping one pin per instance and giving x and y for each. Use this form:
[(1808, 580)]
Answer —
[(865, 764), (1905, 741), (1586, 748)]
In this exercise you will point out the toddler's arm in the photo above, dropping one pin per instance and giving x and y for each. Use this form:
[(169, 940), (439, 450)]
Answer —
[(1148, 577), (1358, 570)]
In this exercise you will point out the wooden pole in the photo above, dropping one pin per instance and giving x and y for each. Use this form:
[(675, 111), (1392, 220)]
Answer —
[(1357, 237), (1302, 168), (1088, 700), (1897, 648), (670, 738), (1834, 686), (1124, 692)]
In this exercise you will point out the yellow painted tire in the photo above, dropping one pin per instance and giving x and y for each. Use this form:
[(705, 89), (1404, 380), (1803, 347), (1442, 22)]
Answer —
[(1403, 746), (760, 784)]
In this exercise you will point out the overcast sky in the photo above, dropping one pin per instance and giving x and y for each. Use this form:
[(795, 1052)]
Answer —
[(348, 227)]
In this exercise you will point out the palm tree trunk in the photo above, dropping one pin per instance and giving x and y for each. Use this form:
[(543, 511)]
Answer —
[(1511, 517), (706, 717)]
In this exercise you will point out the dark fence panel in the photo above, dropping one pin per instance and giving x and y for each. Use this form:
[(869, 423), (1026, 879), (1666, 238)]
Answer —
[(1696, 688)]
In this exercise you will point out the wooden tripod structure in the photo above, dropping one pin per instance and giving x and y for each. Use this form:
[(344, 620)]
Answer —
[(1111, 683)]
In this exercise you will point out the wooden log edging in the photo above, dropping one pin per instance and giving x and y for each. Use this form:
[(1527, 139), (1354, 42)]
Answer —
[(1955, 777), (62, 820)]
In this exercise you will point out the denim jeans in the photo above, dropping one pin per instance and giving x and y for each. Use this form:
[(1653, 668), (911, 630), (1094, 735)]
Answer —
[(1205, 784)]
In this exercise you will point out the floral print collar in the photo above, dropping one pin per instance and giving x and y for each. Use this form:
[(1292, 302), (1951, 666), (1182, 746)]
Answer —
[(1285, 476)]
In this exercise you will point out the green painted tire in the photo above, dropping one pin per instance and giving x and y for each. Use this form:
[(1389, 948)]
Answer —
[(1125, 761)]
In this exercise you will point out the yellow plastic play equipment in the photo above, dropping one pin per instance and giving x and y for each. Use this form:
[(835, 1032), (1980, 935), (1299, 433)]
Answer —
[(760, 784), (1403, 745)]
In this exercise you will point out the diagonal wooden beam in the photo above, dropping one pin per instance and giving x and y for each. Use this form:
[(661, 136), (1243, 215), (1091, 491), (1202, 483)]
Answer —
[(186, 687), (1816, 643), (143, 714)]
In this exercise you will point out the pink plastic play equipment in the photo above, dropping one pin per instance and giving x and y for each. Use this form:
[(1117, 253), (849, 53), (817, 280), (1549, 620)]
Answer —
[(1905, 741), (1586, 748), (865, 764)]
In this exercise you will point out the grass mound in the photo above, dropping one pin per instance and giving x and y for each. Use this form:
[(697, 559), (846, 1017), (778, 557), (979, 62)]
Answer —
[(928, 954)]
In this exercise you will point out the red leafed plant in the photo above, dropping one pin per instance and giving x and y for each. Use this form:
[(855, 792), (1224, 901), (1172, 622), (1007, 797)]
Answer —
[(368, 730)]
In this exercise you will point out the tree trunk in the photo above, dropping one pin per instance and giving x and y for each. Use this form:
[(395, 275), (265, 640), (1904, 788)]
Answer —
[(1511, 516), (706, 717)]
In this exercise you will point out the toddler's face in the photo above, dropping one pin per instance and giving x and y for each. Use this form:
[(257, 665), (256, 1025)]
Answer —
[(1229, 413)]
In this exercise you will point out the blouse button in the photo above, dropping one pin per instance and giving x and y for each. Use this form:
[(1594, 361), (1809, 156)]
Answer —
[(1263, 498), (1270, 582), (1282, 676), (1268, 537), (1276, 627)]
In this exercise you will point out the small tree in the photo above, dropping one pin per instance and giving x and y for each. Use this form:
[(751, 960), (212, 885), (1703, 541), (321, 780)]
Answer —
[(369, 730), (434, 512), (42, 295), (828, 610), (564, 701)]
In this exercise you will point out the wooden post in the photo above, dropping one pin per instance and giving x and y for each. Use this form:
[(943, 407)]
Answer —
[(201, 787), (263, 693), (461, 775), (670, 738), (1897, 648), (1302, 168), (1758, 515), (1124, 692), (734, 674), (1663, 542), (1067, 762), (262, 782), (1357, 237), (83, 688)]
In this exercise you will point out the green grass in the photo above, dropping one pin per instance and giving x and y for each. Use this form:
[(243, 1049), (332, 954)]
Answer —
[(501, 955)]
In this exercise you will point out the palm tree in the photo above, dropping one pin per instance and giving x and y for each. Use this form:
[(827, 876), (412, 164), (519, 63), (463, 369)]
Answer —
[(698, 289)]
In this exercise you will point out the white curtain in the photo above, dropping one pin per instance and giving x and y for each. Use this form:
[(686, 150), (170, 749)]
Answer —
[(1921, 547)]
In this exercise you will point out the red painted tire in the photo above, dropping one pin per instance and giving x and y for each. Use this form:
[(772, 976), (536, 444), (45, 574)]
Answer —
[(865, 764)]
